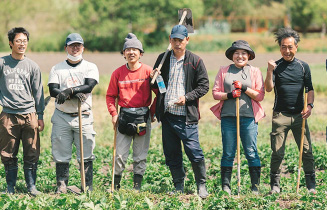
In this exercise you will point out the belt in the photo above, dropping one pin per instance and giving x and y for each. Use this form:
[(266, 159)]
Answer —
[(75, 114)]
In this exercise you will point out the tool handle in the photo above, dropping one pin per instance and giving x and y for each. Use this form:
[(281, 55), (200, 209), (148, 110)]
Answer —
[(238, 145), (168, 49), (160, 64), (302, 139), (114, 152), (81, 145)]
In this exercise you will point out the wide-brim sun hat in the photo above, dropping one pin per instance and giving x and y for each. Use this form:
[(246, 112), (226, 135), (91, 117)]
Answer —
[(239, 45)]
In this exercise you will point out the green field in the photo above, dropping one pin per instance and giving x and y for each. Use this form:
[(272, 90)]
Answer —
[(157, 180)]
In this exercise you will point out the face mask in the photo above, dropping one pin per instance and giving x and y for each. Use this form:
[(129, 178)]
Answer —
[(74, 58)]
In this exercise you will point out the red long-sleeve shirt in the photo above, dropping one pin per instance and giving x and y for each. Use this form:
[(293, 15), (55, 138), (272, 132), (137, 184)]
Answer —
[(132, 88)]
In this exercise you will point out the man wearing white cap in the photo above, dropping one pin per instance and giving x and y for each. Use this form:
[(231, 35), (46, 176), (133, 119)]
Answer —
[(70, 81), (130, 83)]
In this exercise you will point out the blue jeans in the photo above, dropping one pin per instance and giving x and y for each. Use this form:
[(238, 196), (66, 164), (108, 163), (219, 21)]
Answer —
[(248, 133), (174, 131)]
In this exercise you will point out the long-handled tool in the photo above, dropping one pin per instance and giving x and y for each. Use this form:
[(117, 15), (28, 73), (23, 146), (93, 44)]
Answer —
[(185, 18), (238, 146), (114, 153), (302, 139), (75, 189), (81, 146)]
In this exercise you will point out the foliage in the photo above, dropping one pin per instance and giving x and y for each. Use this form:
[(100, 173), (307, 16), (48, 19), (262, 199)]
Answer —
[(104, 23), (302, 14)]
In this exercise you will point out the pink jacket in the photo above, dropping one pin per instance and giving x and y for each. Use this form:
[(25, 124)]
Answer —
[(257, 84)]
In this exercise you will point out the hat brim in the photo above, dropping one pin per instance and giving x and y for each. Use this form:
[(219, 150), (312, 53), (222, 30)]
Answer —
[(230, 51), (179, 36), (72, 42)]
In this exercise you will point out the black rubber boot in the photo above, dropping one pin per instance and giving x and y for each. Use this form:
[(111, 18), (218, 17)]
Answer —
[(255, 172), (137, 182), (62, 174), (117, 179), (11, 177), (310, 179), (178, 175), (30, 178), (199, 170), (226, 175), (275, 183), (88, 168)]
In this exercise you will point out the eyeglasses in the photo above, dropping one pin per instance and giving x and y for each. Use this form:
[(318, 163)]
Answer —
[(20, 41), (75, 45)]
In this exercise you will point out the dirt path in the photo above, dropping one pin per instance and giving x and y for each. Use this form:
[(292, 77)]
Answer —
[(107, 62)]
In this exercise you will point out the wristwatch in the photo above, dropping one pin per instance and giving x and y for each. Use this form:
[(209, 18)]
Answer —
[(311, 105)]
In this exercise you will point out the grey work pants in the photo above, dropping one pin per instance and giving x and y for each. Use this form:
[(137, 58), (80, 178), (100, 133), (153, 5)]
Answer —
[(65, 133), (140, 151)]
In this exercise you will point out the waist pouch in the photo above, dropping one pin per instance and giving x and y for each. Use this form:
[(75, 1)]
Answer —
[(132, 121)]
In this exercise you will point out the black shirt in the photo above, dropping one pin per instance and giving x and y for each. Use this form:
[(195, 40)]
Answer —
[(290, 78)]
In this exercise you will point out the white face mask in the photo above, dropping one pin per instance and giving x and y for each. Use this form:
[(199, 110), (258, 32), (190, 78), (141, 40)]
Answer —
[(74, 58)]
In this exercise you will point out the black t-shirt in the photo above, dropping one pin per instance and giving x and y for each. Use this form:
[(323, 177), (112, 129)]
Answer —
[(290, 78)]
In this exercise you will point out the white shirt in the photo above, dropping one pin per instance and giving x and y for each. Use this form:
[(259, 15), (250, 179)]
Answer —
[(67, 76)]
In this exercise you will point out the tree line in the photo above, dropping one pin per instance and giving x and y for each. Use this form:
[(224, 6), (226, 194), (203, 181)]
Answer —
[(104, 23)]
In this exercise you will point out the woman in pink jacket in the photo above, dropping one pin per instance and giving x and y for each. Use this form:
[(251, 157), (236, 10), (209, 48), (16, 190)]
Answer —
[(243, 81)]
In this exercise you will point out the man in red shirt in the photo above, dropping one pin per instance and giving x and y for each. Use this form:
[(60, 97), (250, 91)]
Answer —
[(131, 86)]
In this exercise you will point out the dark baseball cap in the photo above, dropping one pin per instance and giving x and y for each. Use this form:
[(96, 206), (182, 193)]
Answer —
[(74, 38), (179, 31)]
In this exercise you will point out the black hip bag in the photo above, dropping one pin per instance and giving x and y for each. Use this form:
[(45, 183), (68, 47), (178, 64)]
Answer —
[(132, 121)]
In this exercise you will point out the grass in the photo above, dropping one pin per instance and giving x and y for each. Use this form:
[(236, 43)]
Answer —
[(157, 179)]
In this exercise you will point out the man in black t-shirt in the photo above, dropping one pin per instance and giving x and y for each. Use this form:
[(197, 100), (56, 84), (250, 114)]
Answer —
[(288, 77)]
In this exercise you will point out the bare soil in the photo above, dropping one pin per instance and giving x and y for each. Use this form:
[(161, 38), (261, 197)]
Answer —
[(108, 62)]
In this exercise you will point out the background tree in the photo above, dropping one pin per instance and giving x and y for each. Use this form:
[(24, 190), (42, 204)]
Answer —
[(302, 14)]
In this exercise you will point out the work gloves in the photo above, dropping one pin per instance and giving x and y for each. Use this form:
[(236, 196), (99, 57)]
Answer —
[(238, 85), (81, 97), (67, 94), (238, 89), (64, 95), (234, 94)]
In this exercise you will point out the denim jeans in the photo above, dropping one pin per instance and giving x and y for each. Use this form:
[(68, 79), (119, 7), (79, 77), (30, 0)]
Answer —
[(248, 133), (174, 132)]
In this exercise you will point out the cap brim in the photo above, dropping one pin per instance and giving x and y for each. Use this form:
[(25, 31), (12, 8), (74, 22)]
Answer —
[(72, 42), (179, 36)]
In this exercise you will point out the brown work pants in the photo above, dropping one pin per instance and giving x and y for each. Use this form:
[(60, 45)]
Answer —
[(281, 124), (16, 127)]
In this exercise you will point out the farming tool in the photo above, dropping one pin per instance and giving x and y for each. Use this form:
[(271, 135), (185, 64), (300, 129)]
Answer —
[(75, 189), (302, 138), (238, 146), (185, 18), (114, 152)]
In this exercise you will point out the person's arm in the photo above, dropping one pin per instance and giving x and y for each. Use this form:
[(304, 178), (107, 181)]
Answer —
[(307, 114), (86, 88), (111, 96), (72, 91), (202, 83), (38, 95), (217, 91), (308, 84), (269, 84)]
